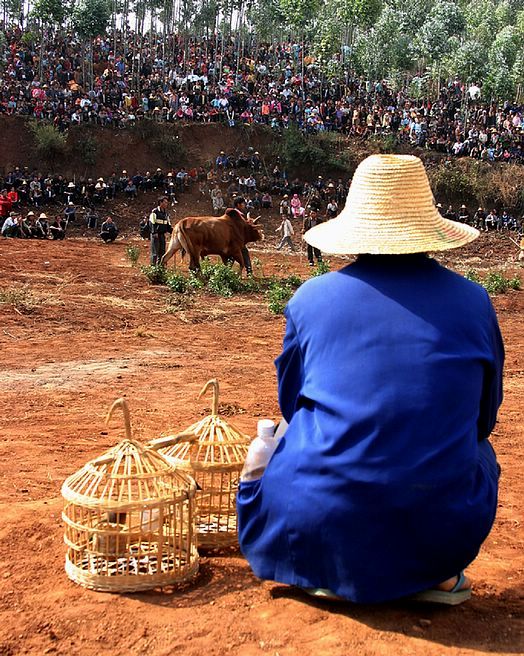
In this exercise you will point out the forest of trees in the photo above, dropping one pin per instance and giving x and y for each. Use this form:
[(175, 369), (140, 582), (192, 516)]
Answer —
[(420, 41)]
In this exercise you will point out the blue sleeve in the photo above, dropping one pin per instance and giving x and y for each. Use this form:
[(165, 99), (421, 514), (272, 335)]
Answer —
[(492, 386), (290, 370)]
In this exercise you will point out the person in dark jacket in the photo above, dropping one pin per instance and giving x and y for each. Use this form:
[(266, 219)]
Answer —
[(160, 226), (108, 230)]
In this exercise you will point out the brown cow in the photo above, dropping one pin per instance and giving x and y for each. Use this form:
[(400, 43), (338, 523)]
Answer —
[(225, 236)]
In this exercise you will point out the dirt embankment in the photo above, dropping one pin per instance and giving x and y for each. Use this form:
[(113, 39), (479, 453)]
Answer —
[(137, 149)]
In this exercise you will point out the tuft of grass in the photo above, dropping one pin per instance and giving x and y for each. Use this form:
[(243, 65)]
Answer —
[(22, 299), (133, 254), (176, 302)]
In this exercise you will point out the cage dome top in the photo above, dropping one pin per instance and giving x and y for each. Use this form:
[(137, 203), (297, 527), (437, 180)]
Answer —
[(217, 442), (126, 475)]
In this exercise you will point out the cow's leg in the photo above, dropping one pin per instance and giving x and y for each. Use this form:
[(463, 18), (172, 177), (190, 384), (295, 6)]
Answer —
[(238, 257), (194, 260)]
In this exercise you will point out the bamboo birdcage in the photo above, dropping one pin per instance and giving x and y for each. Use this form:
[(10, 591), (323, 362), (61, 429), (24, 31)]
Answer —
[(129, 520), (215, 461)]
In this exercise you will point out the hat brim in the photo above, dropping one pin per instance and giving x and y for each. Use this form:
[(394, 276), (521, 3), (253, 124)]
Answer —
[(351, 235)]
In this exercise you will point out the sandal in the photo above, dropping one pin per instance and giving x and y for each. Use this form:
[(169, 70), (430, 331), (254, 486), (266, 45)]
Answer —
[(453, 597)]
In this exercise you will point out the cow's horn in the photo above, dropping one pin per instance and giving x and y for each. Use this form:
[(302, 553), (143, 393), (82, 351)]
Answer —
[(255, 220)]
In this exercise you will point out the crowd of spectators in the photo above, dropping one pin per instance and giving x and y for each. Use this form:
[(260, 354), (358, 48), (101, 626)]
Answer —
[(244, 174), (274, 84)]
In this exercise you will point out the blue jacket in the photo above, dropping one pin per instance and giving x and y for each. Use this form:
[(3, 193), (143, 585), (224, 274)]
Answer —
[(385, 483)]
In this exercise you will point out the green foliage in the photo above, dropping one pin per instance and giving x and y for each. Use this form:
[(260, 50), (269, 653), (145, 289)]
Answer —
[(451, 180), (322, 267), (29, 38), (49, 12), (299, 13), (85, 145), (278, 295), (472, 275), (497, 283), (180, 283), (494, 282), (298, 151), (155, 273), (133, 254), (223, 280), (91, 18), (50, 143), (171, 148)]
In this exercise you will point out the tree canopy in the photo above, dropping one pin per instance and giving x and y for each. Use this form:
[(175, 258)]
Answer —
[(478, 41)]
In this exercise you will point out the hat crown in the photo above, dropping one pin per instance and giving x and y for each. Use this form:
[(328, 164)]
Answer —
[(394, 186), (389, 210)]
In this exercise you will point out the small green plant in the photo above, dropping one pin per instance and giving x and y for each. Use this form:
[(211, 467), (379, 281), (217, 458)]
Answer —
[(293, 280), (278, 294), (224, 281), (322, 267), (156, 273), (50, 143), (178, 282), (472, 275), (496, 283), (133, 254)]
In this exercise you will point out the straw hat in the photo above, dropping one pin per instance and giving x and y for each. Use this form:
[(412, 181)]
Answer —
[(389, 210)]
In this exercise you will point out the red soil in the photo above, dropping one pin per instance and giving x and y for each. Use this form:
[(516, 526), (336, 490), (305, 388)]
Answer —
[(89, 329)]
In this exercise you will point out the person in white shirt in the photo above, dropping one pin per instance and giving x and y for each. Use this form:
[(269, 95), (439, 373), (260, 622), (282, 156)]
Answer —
[(286, 231)]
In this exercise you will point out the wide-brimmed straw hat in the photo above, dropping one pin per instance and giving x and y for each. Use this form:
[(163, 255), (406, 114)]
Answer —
[(389, 210)]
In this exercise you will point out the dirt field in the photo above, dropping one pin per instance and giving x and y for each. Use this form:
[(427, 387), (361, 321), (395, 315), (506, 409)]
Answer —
[(85, 328)]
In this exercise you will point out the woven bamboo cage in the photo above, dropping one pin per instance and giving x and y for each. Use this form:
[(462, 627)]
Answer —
[(129, 519), (215, 461)]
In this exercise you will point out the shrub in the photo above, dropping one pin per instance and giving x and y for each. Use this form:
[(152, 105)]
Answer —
[(50, 143), (155, 273), (494, 282), (224, 281), (177, 282), (278, 295), (171, 148), (86, 146), (133, 254), (298, 151)]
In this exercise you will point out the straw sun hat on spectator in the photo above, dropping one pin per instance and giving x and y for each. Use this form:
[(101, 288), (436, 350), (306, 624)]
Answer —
[(389, 210)]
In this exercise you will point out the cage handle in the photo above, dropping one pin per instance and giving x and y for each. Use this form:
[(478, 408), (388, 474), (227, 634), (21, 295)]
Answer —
[(214, 384), (171, 440), (121, 403)]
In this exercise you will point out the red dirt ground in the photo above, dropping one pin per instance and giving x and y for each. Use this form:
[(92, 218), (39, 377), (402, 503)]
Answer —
[(87, 328)]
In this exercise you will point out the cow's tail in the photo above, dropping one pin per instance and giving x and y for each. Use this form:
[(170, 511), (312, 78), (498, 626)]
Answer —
[(184, 240)]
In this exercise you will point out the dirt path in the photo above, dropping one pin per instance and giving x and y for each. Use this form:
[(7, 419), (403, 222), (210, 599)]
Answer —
[(84, 329)]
